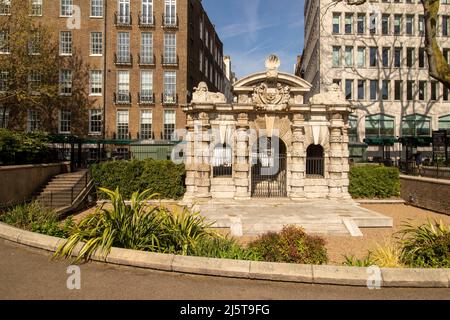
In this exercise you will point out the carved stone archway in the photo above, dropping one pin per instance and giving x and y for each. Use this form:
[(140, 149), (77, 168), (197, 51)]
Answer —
[(269, 103)]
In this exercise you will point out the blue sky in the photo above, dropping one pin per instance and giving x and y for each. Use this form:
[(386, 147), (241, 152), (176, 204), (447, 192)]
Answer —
[(253, 29)]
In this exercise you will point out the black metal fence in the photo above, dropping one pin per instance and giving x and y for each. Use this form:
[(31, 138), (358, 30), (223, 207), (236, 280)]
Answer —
[(315, 167), (429, 170)]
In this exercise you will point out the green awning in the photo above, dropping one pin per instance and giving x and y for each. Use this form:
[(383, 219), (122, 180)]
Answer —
[(381, 141), (416, 141)]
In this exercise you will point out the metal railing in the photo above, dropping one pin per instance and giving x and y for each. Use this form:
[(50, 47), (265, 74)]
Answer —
[(123, 20), (65, 197), (170, 21), (432, 170), (147, 60), (315, 167), (172, 61), (169, 98), (124, 60), (122, 98), (146, 20), (146, 98)]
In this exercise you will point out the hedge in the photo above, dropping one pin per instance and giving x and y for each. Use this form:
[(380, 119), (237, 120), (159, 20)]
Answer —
[(23, 148), (374, 181), (160, 176)]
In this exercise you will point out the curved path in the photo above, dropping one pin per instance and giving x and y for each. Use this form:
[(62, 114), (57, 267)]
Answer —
[(30, 274)]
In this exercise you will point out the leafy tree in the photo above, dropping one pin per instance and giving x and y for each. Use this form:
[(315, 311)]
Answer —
[(437, 64), (30, 73)]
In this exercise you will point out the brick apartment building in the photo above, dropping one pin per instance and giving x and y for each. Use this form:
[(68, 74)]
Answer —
[(145, 58)]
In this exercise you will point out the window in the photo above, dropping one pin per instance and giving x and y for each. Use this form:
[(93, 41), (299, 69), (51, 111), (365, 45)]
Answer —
[(147, 12), (336, 22), (385, 57), (170, 12), (170, 48), (361, 23), (385, 24), (123, 86), (409, 90), (64, 121), (96, 82), (349, 57), (4, 41), (398, 87), (123, 47), (421, 25), (96, 43), (336, 56), (34, 44), (123, 124), (373, 17), (434, 90), (146, 86), (66, 9), (361, 89), (4, 81), (421, 58), (349, 23), (4, 118), (416, 125), (36, 7), (410, 25), (170, 87), (33, 121), (397, 24), (410, 57), (124, 16), (380, 125), (353, 128), (361, 57), (5, 7), (200, 59), (444, 123), (422, 90), (95, 121), (397, 57), (65, 43), (169, 124), (385, 89), (65, 82), (146, 125), (373, 89), (373, 57), (97, 8), (349, 89), (147, 48), (34, 83)]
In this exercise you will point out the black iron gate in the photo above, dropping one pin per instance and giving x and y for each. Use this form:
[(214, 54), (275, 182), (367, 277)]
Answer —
[(269, 174)]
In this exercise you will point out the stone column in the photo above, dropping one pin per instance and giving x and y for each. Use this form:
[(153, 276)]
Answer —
[(335, 167), (345, 160), (298, 158), (202, 154), (241, 166), (191, 169)]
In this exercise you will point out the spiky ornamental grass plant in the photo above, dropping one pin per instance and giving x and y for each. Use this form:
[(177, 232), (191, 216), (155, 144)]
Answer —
[(137, 226), (427, 245)]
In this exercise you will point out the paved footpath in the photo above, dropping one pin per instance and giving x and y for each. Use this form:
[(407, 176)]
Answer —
[(30, 274)]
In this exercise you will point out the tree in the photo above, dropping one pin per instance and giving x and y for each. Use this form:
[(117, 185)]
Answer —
[(438, 66), (30, 72)]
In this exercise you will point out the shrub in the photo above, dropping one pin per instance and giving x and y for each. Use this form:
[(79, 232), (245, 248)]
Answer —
[(387, 256), (36, 218), (374, 182), (23, 148), (426, 246), (158, 176), (352, 261), (291, 245), (136, 226), (223, 248)]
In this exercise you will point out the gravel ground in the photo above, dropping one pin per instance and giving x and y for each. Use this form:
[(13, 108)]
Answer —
[(339, 246)]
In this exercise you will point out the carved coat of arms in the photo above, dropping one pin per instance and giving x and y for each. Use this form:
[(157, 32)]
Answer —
[(271, 97)]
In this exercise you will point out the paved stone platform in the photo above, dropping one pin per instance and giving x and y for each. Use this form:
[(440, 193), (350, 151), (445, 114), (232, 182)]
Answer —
[(258, 216)]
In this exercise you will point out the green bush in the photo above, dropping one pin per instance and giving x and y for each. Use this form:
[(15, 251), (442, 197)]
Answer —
[(23, 148), (426, 246), (159, 176), (34, 217), (223, 248), (374, 182), (291, 245)]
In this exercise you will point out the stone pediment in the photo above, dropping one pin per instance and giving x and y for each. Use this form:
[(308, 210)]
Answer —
[(271, 90)]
